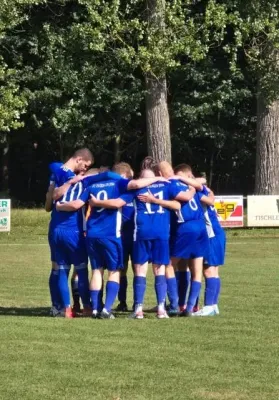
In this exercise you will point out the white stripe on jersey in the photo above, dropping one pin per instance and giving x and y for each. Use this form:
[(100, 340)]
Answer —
[(208, 224), (135, 221), (118, 222)]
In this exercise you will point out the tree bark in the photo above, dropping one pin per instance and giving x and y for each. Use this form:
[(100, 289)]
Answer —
[(157, 114), (157, 119), (267, 158)]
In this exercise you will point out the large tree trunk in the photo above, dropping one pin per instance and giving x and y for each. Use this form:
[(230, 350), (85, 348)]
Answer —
[(157, 119), (267, 161), (157, 114)]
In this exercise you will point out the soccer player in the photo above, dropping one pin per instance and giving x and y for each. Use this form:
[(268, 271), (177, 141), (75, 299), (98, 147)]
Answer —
[(104, 245), (189, 240), (69, 241), (127, 230), (103, 237), (151, 237), (183, 274), (216, 255), (54, 274)]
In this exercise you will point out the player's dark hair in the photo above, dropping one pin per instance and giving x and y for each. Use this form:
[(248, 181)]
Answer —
[(85, 154), (149, 163), (182, 168)]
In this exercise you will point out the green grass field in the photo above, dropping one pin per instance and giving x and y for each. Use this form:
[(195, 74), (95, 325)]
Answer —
[(230, 357)]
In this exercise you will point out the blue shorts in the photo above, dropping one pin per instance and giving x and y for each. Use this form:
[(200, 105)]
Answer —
[(105, 253), (155, 251), (192, 243), (127, 245), (70, 247), (51, 245), (217, 250)]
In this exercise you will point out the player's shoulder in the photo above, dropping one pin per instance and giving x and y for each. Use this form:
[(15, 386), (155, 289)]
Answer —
[(178, 183), (110, 183), (158, 185)]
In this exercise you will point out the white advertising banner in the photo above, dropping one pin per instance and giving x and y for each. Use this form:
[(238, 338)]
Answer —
[(263, 210), (229, 210), (5, 215)]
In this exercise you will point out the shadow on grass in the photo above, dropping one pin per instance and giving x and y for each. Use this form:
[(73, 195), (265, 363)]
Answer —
[(25, 312)]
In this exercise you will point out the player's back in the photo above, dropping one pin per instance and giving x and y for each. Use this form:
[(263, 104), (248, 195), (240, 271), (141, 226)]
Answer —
[(152, 221), (63, 219), (104, 222), (190, 210)]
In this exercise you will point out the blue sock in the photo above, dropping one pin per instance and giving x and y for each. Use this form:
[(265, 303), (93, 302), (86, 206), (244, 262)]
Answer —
[(54, 288), (139, 289), (172, 292), (122, 294), (160, 288), (183, 278), (64, 271), (95, 300), (210, 290), (101, 303), (193, 295), (111, 293), (83, 285), (217, 290)]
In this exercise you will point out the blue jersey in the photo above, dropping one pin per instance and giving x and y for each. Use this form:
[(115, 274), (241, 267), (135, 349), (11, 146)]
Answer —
[(152, 221), (63, 219), (73, 219), (211, 218), (190, 210), (105, 222), (63, 175)]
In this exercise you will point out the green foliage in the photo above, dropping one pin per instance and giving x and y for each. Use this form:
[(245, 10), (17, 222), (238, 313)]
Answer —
[(256, 33), (73, 71), (12, 102), (174, 28)]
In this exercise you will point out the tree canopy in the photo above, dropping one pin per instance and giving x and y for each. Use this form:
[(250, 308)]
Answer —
[(73, 73)]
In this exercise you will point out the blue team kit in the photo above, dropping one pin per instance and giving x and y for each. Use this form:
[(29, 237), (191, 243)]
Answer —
[(140, 230), (217, 236)]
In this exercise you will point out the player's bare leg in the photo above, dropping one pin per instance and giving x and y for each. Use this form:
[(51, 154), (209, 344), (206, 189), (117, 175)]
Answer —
[(75, 294), (96, 285), (122, 306)]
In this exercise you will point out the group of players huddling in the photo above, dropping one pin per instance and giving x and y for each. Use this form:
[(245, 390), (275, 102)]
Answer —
[(166, 217)]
